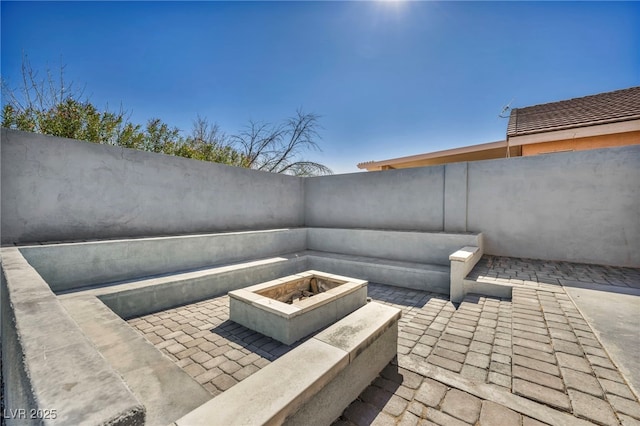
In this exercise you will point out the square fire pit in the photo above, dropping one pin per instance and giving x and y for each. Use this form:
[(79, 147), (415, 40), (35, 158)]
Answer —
[(290, 308)]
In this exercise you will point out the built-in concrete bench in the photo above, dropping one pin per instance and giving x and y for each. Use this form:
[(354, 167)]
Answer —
[(76, 265), (53, 371), (414, 275), (313, 383), (137, 297), (170, 271), (416, 260)]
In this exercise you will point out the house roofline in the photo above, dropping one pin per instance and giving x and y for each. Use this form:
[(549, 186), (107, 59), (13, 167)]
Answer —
[(574, 126), (447, 152)]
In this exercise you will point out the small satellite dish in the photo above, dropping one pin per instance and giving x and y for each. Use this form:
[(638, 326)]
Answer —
[(506, 108)]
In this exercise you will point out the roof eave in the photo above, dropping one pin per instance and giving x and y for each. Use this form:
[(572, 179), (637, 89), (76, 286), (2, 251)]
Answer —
[(599, 129), (427, 156)]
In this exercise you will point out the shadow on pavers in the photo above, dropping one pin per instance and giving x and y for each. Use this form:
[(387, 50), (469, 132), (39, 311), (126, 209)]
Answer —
[(370, 403)]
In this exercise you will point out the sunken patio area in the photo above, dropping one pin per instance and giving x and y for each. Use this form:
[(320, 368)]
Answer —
[(503, 291), (532, 359)]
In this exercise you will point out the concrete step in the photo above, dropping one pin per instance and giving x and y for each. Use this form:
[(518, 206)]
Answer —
[(486, 288)]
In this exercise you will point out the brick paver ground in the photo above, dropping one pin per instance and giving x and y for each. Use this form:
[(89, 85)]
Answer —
[(201, 340), (535, 345), (532, 272), (402, 397)]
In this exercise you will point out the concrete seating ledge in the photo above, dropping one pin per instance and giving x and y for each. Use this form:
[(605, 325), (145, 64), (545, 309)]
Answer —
[(140, 297), (49, 365), (69, 266), (195, 267), (314, 382), (414, 275), (150, 294), (411, 259), (417, 260)]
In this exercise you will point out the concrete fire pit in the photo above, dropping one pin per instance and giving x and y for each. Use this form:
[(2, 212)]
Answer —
[(290, 308)]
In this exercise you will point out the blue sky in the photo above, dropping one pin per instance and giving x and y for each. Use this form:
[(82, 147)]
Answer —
[(389, 78)]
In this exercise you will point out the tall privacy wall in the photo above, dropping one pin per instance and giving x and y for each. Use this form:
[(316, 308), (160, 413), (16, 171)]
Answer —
[(56, 189), (576, 206)]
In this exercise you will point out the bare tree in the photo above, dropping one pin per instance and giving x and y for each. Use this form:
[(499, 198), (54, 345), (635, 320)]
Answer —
[(278, 148), (208, 142), (37, 92), (204, 132), (49, 105)]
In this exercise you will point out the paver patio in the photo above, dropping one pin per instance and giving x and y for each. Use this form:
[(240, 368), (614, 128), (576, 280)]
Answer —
[(486, 361)]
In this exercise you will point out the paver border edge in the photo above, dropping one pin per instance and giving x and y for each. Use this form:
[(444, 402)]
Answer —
[(491, 393)]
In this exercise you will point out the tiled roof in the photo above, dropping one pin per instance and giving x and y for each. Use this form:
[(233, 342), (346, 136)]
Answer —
[(620, 105)]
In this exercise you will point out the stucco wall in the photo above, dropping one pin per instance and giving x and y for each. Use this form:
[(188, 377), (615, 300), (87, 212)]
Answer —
[(410, 199), (56, 189), (576, 206)]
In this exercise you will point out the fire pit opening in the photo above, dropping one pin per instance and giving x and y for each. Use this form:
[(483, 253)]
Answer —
[(294, 292)]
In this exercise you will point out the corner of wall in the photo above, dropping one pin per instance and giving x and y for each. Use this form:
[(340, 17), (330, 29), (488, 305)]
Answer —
[(455, 197)]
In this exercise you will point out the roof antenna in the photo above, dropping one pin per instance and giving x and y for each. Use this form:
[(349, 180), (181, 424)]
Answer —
[(506, 108)]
